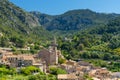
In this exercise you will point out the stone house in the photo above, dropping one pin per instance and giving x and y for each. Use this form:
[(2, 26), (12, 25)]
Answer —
[(3, 55), (100, 73), (22, 60), (85, 67), (69, 66), (50, 55), (67, 77), (116, 74)]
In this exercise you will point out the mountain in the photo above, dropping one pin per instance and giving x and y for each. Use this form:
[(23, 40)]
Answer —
[(16, 22), (15, 17), (35, 26), (73, 20)]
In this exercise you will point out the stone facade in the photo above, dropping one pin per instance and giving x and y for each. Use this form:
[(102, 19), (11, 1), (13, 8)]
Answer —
[(67, 77), (21, 60), (50, 55), (100, 73)]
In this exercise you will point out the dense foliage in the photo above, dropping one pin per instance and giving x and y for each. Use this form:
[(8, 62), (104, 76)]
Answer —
[(101, 42), (42, 77), (26, 73), (5, 70), (56, 71), (29, 70)]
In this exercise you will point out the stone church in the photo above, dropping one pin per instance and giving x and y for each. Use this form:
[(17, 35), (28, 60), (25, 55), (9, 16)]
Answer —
[(50, 55)]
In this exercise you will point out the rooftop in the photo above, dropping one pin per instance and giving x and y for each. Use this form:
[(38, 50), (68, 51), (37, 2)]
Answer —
[(116, 74), (67, 76)]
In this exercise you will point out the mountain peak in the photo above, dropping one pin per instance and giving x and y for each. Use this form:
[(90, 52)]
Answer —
[(17, 15), (80, 11), (74, 20)]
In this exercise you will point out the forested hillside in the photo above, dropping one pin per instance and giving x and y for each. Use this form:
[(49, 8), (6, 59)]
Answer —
[(18, 27), (99, 45)]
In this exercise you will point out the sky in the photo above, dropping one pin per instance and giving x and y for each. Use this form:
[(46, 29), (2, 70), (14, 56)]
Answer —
[(56, 7)]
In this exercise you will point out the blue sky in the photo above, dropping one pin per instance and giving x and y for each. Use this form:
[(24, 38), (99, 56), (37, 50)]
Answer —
[(55, 7)]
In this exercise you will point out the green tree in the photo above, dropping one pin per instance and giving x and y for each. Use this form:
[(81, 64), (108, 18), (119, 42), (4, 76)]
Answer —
[(56, 71), (107, 56), (106, 37), (29, 70), (61, 60), (19, 42), (4, 42), (114, 42)]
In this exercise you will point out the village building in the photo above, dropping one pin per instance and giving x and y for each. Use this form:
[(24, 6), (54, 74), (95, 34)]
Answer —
[(81, 68), (21, 60), (69, 66), (101, 73), (67, 77), (50, 55), (116, 75)]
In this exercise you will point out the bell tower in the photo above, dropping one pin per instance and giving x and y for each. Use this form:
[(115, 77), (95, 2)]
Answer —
[(53, 52)]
